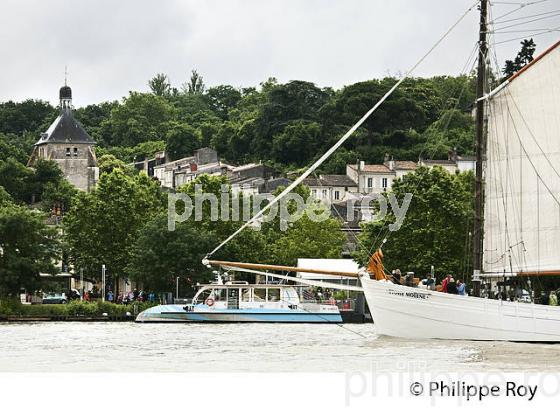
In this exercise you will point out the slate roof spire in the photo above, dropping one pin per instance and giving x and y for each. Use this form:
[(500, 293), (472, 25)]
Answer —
[(65, 129)]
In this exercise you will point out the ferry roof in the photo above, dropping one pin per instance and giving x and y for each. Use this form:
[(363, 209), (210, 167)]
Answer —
[(248, 285)]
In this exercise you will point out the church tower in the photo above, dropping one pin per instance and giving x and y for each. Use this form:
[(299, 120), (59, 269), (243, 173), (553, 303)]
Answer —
[(69, 145)]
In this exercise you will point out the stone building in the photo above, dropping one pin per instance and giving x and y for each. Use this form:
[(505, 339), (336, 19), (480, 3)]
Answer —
[(69, 145)]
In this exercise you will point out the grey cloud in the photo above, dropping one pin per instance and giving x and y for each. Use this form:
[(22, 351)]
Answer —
[(112, 47)]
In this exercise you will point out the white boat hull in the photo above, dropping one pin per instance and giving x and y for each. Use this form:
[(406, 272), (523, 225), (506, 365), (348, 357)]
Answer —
[(406, 312)]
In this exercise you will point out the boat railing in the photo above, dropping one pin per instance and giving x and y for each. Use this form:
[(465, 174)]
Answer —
[(182, 301), (343, 305)]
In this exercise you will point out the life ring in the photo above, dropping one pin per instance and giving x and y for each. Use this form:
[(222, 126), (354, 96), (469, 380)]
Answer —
[(210, 302)]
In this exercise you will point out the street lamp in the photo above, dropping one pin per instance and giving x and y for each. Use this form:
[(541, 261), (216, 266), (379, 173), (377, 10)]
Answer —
[(103, 270), (177, 288)]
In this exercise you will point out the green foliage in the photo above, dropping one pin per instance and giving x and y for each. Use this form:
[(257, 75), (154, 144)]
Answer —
[(159, 255), (436, 226), (195, 85), (58, 194), (222, 99), (182, 140), (5, 197), (29, 115), (15, 178), (159, 85), (27, 185), (9, 148), (454, 130), (524, 57), (27, 248), (102, 225), (12, 306), (147, 149), (141, 117), (95, 119), (308, 239), (108, 163)]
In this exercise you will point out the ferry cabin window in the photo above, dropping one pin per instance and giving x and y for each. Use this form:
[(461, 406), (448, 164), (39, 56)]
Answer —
[(204, 295), (219, 294), (246, 295), (273, 295), (259, 294)]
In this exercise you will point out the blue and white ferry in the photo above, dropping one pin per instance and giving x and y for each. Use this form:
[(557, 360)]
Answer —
[(244, 302)]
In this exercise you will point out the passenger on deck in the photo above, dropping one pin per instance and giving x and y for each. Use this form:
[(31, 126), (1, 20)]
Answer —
[(430, 282), (444, 283), (397, 276), (452, 286), (461, 288)]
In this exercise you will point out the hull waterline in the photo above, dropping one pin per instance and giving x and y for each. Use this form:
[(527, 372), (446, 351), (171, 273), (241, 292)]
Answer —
[(177, 313)]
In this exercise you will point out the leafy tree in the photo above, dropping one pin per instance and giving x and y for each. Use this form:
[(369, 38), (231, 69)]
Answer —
[(8, 149), (108, 163), (15, 177), (182, 140), (160, 85), (147, 149), (5, 197), (102, 225), (454, 130), (249, 245), (95, 119), (28, 115), (524, 57), (141, 117), (223, 98), (306, 238), (297, 143), (45, 172), (27, 247), (59, 195), (435, 228), (296, 100), (195, 85), (159, 255), (26, 185)]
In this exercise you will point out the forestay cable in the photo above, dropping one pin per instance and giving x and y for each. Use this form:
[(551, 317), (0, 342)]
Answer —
[(341, 141)]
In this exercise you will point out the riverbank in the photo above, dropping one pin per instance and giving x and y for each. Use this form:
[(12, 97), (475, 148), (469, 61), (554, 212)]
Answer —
[(76, 311)]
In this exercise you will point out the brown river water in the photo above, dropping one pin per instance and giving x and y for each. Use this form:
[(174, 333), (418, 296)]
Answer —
[(262, 347)]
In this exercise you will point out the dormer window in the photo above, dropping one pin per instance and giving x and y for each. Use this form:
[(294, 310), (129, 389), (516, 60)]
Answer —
[(68, 152)]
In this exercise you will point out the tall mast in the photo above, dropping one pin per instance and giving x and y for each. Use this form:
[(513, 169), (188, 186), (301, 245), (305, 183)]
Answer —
[(480, 149)]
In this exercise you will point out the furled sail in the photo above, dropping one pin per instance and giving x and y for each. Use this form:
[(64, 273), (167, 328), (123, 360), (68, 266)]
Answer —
[(522, 171)]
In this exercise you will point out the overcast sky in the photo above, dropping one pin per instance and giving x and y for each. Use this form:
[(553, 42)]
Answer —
[(111, 47)]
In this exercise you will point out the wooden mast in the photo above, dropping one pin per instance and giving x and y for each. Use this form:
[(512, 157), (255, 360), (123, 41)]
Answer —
[(480, 150)]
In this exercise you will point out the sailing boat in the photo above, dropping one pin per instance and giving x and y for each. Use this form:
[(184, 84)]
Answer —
[(521, 216), (521, 220)]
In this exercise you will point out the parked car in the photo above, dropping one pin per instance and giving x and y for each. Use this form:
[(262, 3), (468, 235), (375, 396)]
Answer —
[(55, 299)]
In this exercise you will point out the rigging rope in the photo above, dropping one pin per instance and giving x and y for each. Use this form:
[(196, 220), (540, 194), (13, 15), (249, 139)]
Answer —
[(348, 134), (468, 67)]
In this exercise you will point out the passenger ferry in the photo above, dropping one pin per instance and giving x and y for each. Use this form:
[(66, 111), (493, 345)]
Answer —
[(244, 302)]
